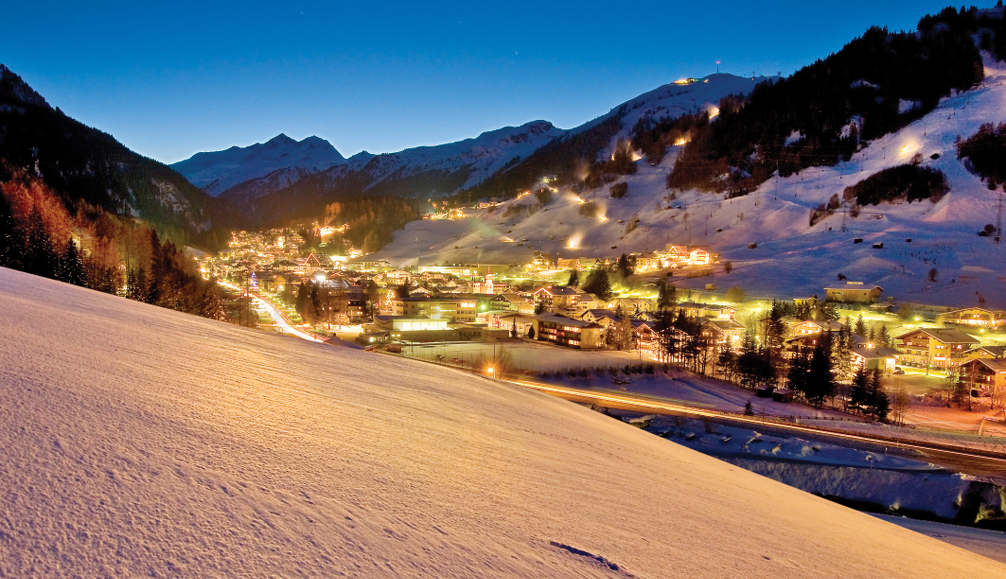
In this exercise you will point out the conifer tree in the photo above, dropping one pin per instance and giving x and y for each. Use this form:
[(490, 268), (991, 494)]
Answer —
[(574, 279), (860, 326), (880, 404), (71, 267), (859, 391), (597, 283), (11, 238), (820, 378), (40, 258)]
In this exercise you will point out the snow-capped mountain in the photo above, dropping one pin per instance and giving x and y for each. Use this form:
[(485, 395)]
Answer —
[(597, 138), (418, 172), (485, 164), (218, 171), (478, 157)]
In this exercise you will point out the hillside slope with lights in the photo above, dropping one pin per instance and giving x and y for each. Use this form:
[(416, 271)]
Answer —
[(767, 235)]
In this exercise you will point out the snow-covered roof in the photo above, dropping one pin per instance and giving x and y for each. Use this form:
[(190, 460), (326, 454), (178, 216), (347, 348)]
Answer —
[(945, 335)]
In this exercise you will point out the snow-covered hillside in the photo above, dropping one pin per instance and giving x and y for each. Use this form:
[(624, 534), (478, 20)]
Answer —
[(218, 171), (482, 155), (137, 440), (672, 100), (791, 257)]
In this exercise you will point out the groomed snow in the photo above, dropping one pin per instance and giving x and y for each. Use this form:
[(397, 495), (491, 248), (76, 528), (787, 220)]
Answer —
[(138, 440)]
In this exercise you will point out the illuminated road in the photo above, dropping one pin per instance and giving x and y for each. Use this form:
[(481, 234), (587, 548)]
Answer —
[(975, 461), (276, 315)]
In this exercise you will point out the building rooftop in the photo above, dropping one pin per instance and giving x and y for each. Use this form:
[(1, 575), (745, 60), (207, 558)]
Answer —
[(559, 290), (557, 319), (945, 335), (997, 351), (725, 324), (995, 364), (853, 285)]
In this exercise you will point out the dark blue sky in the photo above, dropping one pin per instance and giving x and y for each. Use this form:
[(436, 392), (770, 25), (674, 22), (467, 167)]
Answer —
[(171, 80)]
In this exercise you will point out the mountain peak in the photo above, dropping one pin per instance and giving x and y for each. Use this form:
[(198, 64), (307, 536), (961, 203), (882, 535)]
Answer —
[(281, 138), (14, 88), (219, 171)]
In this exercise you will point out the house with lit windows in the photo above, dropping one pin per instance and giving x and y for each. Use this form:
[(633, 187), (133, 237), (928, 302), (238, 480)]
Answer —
[(568, 332), (986, 378), (557, 297), (934, 347), (974, 318)]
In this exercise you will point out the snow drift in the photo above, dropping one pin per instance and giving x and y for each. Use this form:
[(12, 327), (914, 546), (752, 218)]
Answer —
[(138, 440)]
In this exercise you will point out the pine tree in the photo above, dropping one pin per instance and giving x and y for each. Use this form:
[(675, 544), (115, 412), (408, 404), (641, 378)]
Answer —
[(40, 258), (775, 329), (883, 337), (796, 377), (666, 295), (597, 283), (71, 267), (624, 266), (574, 279), (136, 284), (820, 378), (11, 238), (880, 404), (860, 326), (858, 393)]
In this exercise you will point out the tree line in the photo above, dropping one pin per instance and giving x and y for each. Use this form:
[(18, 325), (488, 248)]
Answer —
[(92, 248)]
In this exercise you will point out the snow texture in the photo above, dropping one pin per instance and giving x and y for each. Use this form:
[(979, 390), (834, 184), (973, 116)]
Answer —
[(138, 440)]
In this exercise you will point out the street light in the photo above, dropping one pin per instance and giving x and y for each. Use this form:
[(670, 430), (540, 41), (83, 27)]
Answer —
[(491, 372)]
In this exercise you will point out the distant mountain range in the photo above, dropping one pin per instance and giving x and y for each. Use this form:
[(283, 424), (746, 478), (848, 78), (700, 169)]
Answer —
[(283, 178), (218, 171)]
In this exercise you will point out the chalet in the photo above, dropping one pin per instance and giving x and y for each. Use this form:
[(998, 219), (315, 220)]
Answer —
[(814, 327), (713, 311), (974, 317), (632, 305), (699, 257), (853, 292), (645, 337), (870, 356), (568, 332), (934, 347), (985, 353), (986, 378), (725, 334), (516, 322), (602, 317), (557, 297)]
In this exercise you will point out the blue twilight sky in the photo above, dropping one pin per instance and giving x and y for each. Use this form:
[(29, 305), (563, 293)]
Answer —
[(170, 79)]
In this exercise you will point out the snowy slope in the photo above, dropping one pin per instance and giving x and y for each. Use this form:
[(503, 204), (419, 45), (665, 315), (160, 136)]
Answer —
[(143, 441), (218, 171), (482, 155), (673, 100), (791, 258)]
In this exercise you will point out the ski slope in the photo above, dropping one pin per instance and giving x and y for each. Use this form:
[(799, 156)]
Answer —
[(790, 257), (137, 440)]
